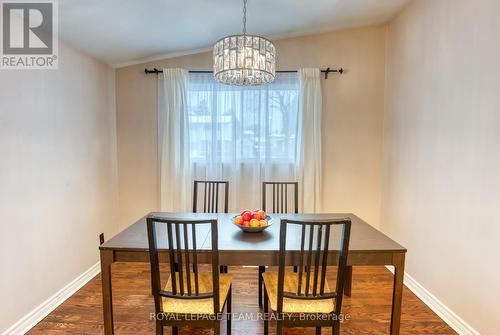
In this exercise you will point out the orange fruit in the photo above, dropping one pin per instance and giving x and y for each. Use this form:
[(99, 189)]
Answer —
[(254, 223)]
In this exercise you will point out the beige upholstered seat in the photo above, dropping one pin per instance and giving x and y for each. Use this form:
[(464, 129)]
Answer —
[(295, 305), (198, 306)]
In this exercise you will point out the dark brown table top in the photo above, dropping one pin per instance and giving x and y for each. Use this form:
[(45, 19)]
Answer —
[(364, 238)]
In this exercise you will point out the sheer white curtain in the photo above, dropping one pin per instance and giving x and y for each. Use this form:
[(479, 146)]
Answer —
[(245, 135), (309, 172), (173, 141)]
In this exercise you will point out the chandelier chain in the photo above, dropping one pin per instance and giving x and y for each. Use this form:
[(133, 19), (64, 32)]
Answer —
[(244, 17)]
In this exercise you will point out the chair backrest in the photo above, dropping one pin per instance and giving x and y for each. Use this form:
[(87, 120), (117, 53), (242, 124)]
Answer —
[(211, 195), (280, 195), (182, 249), (316, 255)]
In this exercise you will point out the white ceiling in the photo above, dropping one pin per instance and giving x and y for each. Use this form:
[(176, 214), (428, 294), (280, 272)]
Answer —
[(120, 32)]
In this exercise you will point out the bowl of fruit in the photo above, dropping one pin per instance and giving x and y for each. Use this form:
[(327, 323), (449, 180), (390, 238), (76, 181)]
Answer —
[(252, 222)]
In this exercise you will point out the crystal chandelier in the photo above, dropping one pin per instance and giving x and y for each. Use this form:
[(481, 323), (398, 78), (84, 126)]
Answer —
[(244, 59)]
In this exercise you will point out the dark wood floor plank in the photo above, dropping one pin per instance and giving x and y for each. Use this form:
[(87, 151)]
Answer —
[(369, 306)]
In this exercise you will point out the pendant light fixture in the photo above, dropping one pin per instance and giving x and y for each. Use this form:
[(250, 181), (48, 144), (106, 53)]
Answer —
[(244, 59)]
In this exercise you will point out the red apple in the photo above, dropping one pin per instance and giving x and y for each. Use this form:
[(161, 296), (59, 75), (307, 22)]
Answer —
[(246, 216), (256, 215), (262, 215), (245, 223)]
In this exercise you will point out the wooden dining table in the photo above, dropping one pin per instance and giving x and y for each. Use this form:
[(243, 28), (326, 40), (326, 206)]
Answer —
[(368, 246)]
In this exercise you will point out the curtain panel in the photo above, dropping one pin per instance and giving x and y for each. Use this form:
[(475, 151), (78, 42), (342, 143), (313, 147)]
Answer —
[(309, 158), (173, 141)]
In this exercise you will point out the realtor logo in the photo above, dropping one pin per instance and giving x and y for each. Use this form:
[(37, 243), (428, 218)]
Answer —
[(28, 34)]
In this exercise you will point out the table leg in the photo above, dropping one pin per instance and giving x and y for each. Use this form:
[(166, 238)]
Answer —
[(107, 303), (348, 281), (397, 293), (262, 269)]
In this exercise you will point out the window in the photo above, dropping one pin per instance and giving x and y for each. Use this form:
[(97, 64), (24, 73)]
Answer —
[(238, 124), (243, 135)]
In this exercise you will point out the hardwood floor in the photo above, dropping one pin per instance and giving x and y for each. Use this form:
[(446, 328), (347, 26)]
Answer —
[(369, 306)]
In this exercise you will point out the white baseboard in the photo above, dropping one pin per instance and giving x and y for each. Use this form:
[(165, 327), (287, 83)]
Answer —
[(451, 318), (32, 318)]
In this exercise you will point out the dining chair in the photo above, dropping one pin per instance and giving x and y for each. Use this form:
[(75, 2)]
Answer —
[(211, 197), (282, 200), (294, 299), (190, 297), (285, 199)]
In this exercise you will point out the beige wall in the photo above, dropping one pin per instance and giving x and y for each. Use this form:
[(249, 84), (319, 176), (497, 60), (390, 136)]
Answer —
[(441, 194), (57, 177), (353, 120)]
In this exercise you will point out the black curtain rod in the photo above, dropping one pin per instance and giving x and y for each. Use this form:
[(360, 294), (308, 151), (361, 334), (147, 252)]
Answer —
[(326, 72)]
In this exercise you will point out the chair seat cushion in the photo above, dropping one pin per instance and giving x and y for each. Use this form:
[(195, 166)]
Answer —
[(296, 305), (198, 306)]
